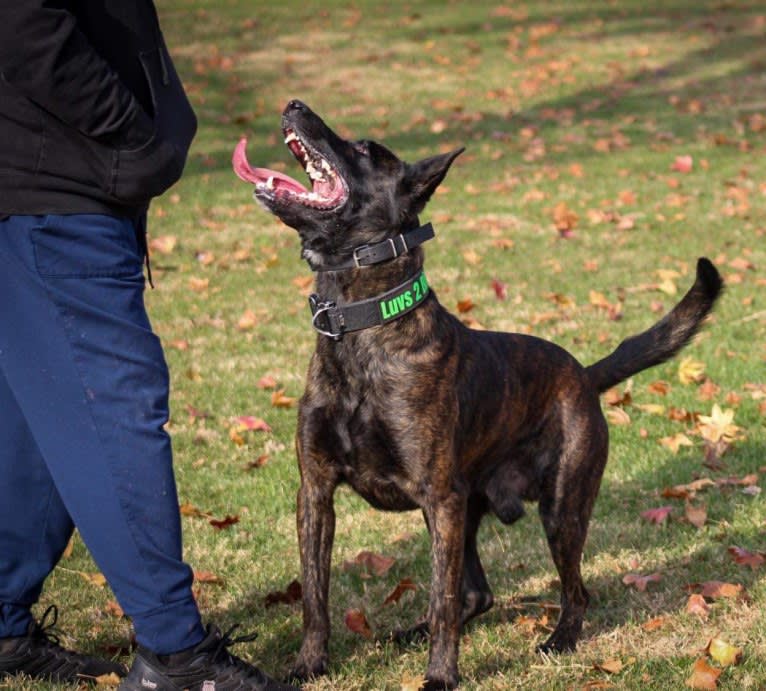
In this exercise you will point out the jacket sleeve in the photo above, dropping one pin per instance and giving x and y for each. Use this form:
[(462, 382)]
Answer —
[(44, 56)]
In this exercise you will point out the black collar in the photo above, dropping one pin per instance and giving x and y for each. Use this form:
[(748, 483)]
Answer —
[(367, 255), (334, 320)]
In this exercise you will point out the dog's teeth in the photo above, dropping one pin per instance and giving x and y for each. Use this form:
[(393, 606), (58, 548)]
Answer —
[(270, 183), (291, 137)]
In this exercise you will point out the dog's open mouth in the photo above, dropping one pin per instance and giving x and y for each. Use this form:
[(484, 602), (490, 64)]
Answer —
[(328, 190)]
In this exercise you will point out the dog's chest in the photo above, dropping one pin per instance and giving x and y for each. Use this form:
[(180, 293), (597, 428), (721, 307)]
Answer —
[(368, 452)]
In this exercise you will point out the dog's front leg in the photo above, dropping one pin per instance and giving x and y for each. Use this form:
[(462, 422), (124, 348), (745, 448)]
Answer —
[(316, 529), (446, 518)]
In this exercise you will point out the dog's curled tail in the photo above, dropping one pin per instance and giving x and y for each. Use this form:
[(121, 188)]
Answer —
[(666, 337)]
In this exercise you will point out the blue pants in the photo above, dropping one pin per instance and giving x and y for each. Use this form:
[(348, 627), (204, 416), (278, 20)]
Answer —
[(83, 400)]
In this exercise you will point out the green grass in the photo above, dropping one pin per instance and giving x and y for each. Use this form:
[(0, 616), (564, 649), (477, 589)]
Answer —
[(583, 103)]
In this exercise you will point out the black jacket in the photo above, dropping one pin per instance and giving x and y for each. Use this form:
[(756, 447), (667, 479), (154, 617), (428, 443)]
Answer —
[(93, 117)]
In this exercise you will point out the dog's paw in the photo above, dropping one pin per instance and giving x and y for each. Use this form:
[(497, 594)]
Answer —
[(415, 634), (438, 683), (305, 670), (558, 644)]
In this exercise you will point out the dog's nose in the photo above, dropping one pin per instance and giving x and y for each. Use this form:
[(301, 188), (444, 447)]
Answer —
[(295, 104)]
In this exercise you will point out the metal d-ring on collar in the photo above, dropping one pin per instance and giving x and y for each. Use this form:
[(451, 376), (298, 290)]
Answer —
[(390, 248)]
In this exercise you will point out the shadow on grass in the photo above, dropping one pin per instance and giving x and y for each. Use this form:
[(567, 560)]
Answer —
[(695, 557)]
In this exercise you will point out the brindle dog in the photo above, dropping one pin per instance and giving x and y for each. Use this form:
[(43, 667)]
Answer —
[(418, 411)]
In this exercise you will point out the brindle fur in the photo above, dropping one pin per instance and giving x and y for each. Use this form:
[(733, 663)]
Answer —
[(426, 413)]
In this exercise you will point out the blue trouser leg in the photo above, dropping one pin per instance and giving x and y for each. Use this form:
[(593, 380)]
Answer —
[(84, 396)]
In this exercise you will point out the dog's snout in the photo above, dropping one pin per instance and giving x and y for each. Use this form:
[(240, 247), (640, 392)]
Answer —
[(295, 104)]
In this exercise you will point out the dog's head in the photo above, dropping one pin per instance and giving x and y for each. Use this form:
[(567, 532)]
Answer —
[(360, 191)]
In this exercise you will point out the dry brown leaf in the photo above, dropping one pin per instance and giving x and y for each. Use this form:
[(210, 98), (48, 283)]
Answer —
[(703, 676), (356, 621)]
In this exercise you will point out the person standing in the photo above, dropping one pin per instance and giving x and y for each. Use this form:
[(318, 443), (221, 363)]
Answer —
[(94, 123)]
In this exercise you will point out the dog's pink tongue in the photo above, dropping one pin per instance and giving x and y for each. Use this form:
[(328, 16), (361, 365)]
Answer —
[(259, 176)]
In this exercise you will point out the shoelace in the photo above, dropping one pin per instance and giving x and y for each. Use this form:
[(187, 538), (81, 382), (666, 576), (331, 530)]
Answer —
[(47, 631), (227, 640)]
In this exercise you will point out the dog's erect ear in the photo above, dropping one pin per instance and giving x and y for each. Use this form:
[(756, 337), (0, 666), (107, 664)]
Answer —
[(422, 178)]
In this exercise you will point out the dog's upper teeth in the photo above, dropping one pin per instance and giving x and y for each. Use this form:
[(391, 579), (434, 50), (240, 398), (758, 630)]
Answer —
[(270, 183), (291, 137)]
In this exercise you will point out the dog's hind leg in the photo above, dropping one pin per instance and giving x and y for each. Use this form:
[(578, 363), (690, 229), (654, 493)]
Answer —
[(565, 515)]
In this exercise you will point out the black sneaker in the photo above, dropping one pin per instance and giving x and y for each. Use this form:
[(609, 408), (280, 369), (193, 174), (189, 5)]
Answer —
[(207, 667), (40, 656)]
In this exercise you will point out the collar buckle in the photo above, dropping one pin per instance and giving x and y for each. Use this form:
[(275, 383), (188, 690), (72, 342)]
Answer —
[(326, 318)]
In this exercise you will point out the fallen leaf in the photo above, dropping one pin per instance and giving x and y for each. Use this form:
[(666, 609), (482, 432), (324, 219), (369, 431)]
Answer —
[(267, 382), (372, 562), (412, 682), (465, 305), (691, 371), (396, 594), (718, 426), (163, 244), (697, 605), (247, 321), (226, 522), (654, 624), (703, 676), (745, 557), (715, 590), (723, 653), (613, 666), (293, 593), (617, 416), (696, 515), (279, 400), (500, 288), (676, 441), (250, 423), (94, 578), (114, 609), (639, 582), (356, 621), (658, 515), (683, 164), (110, 680), (206, 577)]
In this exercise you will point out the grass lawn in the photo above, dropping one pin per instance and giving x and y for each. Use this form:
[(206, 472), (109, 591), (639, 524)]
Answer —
[(609, 144)]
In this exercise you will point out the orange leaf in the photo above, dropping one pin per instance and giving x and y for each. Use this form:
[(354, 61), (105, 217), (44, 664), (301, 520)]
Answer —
[(267, 382), (654, 624), (696, 605), (224, 522), (703, 676), (206, 577), (402, 587), (715, 590), (279, 400), (465, 305), (356, 621)]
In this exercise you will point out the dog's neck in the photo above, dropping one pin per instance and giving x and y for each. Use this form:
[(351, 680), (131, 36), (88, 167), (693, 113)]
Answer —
[(351, 285)]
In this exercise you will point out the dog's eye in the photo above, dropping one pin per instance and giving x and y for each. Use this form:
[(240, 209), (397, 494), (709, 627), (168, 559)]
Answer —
[(362, 147)]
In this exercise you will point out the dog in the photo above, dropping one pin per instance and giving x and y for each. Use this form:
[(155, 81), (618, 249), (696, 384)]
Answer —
[(414, 410)]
